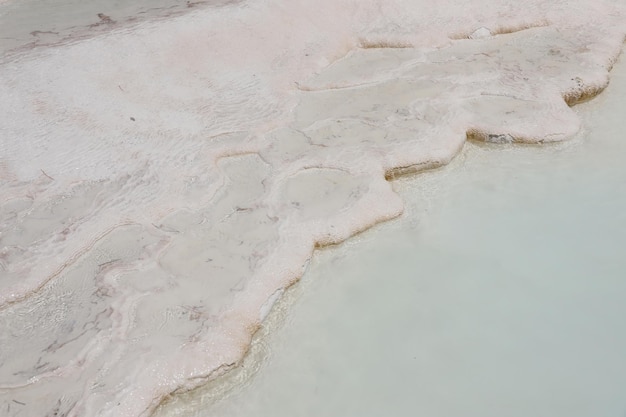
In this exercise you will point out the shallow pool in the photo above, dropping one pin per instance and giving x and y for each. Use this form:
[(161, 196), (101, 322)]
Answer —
[(500, 292)]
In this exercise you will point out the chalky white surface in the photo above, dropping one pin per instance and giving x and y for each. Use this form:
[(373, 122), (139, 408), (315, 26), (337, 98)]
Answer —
[(162, 184)]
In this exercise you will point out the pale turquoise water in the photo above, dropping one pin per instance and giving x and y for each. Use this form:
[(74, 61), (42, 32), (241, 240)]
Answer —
[(501, 293)]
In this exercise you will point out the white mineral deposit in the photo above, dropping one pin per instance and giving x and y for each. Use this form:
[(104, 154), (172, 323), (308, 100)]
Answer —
[(167, 171)]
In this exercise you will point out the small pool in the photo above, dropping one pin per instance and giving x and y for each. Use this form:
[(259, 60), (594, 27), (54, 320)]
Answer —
[(501, 292)]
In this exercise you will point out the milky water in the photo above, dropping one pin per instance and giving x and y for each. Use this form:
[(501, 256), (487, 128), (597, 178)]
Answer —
[(35, 23), (500, 292), (163, 183)]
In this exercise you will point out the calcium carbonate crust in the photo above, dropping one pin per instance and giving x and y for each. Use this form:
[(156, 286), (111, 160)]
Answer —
[(163, 186)]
